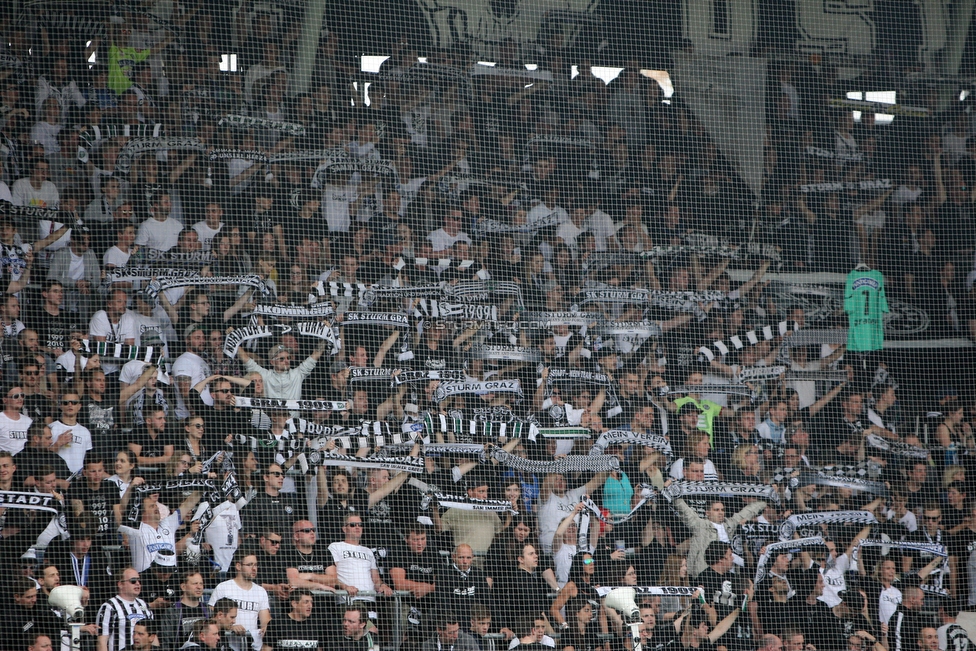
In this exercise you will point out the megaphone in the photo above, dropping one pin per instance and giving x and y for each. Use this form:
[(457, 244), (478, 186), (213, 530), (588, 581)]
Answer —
[(623, 601), (67, 599)]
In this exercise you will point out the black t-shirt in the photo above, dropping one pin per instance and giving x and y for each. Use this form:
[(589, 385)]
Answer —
[(315, 562), (445, 357), (38, 407), (719, 590), (101, 418), (286, 634), (30, 460), (586, 641), (332, 513), (272, 569), (963, 546), (263, 510), (151, 447), (52, 331), (99, 503), (421, 568)]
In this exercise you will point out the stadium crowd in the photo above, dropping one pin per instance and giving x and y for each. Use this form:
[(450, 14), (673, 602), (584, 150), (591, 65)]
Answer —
[(451, 389)]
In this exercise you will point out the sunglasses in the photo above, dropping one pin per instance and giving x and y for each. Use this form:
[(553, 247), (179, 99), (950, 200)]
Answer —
[(71, 402), (354, 524), (197, 425), (587, 561), (275, 473), (220, 391), (306, 530), (132, 581), (16, 396), (273, 542), (30, 373)]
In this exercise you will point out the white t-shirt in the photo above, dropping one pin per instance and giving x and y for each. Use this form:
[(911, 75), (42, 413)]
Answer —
[(250, 603), (192, 366), (115, 257), (136, 405), (835, 581), (81, 442), (13, 433), (888, 603), (336, 200), (354, 564), (553, 511), (563, 561), (678, 470), (76, 268), (601, 225), (441, 240), (223, 532), (114, 333), (24, 194), (159, 235), (206, 234), (145, 541)]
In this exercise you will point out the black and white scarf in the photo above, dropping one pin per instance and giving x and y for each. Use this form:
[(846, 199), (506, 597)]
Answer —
[(803, 522), (697, 488), (435, 309), (130, 274), (574, 463), (482, 291), (155, 287), (852, 483), (136, 147), (878, 107), (506, 353), (536, 320), (307, 154), (249, 122), (92, 134), (751, 338), (394, 319), (618, 436), (730, 389), (384, 168), (576, 376), (238, 154), (105, 349), (470, 430), (172, 258), (320, 330), (206, 486), (465, 503), (843, 186), (490, 226), (789, 546), (370, 374), (290, 405), (31, 213), (636, 296), (414, 465), (234, 339), (819, 152), (447, 390), (899, 448), (408, 377), (30, 501), (641, 329), (314, 311)]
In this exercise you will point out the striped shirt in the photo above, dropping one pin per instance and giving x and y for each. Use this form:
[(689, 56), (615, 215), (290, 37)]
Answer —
[(117, 619)]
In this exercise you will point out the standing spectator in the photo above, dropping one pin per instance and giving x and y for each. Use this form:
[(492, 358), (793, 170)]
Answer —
[(190, 368), (714, 526), (118, 616), (113, 325), (461, 586), (98, 496), (37, 192), (177, 622), (77, 439), (155, 532), (282, 381), (253, 607), (474, 528), (270, 507)]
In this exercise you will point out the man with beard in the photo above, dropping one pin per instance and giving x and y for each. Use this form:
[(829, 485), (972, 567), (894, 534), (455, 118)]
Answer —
[(177, 622)]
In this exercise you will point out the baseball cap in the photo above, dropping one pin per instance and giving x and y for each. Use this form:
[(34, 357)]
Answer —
[(190, 329), (277, 350), (338, 367)]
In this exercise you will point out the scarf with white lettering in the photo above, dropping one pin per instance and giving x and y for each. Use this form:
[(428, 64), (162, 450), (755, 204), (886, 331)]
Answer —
[(159, 285), (642, 329), (384, 168), (465, 503), (30, 501), (369, 374), (435, 309), (92, 134), (803, 522), (697, 488), (576, 377), (841, 481), (535, 320), (249, 122), (506, 353), (130, 274), (369, 435), (490, 226), (32, 212), (155, 257), (321, 330), (571, 464), (447, 390), (618, 436), (654, 590), (407, 377), (878, 107), (899, 448), (290, 405), (136, 147), (819, 152), (105, 349), (843, 186), (238, 154), (314, 311), (788, 546), (413, 465), (730, 389), (234, 339), (394, 319), (206, 486)]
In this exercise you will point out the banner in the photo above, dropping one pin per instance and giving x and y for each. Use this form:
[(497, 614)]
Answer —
[(728, 96)]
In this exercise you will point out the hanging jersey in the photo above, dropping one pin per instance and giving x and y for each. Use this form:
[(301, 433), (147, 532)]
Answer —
[(865, 304)]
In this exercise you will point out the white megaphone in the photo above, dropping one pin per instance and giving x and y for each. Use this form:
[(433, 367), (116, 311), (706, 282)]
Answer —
[(67, 599), (623, 601)]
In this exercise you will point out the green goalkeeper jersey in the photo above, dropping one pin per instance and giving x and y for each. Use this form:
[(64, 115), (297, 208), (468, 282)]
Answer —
[(865, 304)]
